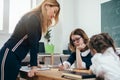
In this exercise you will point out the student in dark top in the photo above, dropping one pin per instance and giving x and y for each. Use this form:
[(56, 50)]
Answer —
[(25, 38), (80, 51)]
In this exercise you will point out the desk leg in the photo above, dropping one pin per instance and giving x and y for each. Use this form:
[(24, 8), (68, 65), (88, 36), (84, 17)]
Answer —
[(52, 59), (43, 59)]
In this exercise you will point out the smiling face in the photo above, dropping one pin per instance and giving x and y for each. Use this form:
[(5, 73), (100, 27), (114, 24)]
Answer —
[(51, 11)]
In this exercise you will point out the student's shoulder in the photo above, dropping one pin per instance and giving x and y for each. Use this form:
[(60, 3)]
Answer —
[(97, 56), (73, 54)]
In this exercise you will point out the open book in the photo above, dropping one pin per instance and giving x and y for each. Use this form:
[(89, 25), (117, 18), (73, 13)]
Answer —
[(77, 75)]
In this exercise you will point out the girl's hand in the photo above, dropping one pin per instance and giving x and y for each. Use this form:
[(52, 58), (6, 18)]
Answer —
[(32, 72), (61, 68), (81, 46)]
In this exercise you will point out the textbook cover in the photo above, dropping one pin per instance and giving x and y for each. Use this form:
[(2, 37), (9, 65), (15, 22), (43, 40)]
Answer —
[(77, 75)]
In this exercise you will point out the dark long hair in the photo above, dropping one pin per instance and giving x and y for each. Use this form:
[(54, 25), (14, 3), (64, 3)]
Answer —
[(101, 42)]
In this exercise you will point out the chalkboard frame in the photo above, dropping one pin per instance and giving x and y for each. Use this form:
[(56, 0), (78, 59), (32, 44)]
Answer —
[(110, 19)]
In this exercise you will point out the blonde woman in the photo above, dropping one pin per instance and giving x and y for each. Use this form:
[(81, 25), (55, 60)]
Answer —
[(25, 38)]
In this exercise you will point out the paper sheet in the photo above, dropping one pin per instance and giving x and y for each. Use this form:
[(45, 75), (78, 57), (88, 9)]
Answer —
[(27, 69)]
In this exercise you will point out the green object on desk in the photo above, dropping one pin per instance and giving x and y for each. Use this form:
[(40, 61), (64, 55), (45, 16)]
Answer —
[(49, 48)]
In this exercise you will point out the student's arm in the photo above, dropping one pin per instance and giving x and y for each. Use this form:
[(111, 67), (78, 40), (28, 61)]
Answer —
[(97, 65), (69, 62), (65, 65), (79, 61)]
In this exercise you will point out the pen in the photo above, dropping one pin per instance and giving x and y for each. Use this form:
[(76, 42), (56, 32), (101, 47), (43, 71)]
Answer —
[(61, 60)]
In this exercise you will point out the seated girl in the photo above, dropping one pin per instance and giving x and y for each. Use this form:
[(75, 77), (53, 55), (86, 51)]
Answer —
[(105, 62), (80, 51)]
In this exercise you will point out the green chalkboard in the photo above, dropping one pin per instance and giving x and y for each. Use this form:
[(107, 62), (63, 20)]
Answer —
[(110, 19)]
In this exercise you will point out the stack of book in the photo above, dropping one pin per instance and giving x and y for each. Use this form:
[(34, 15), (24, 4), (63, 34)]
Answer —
[(77, 75)]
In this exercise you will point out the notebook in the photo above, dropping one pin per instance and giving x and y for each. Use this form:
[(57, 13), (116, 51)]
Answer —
[(77, 75)]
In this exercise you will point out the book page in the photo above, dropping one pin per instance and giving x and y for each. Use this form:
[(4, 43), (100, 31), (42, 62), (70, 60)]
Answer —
[(27, 69)]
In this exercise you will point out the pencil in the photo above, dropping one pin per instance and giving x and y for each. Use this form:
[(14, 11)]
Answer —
[(61, 60)]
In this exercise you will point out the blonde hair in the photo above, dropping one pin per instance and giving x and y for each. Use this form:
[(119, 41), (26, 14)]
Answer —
[(45, 23)]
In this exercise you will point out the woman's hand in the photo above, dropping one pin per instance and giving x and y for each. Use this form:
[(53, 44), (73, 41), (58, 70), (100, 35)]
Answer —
[(32, 72)]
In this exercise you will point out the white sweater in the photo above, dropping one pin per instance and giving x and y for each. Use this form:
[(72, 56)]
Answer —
[(106, 65)]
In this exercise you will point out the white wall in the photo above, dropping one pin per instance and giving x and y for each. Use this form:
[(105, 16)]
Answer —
[(65, 25), (3, 38), (80, 13), (74, 13), (88, 16)]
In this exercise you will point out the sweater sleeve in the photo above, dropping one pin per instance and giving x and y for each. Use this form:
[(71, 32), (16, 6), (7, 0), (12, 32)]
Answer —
[(34, 35), (72, 58), (96, 66)]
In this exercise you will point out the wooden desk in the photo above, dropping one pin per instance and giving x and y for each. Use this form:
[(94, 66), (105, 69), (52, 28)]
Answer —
[(52, 74)]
